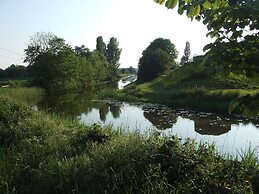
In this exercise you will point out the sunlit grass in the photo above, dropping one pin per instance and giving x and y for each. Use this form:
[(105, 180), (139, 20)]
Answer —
[(189, 87), (23, 94)]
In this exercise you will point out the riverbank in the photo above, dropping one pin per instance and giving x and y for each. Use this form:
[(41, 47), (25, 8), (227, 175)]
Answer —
[(233, 95), (46, 153)]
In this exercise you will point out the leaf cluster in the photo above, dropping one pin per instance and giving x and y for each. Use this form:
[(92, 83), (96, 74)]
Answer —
[(234, 24)]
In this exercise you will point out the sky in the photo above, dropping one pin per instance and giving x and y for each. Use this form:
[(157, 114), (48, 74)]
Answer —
[(134, 23)]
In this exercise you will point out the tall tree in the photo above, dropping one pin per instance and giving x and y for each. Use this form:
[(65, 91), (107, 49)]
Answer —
[(43, 42), (187, 53), (158, 57), (113, 52), (100, 45)]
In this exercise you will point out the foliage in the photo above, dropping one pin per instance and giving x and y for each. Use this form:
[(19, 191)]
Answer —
[(82, 51), (14, 72), (100, 45), (158, 57), (165, 45), (55, 66), (57, 71), (113, 52), (41, 43), (233, 24), (128, 70), (42, 153), (187, 52)]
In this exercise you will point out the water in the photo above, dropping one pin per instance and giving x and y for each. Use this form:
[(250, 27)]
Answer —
[(126, 81), (229, 134)]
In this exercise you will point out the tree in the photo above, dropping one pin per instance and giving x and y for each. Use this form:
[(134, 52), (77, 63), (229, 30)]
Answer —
[(165, 45), (82, 51), (233, 23), (187, 52), (16, 72), (158, 57), (113, 52), (57, 71), (53, 63), (100, 45), (43, 42)]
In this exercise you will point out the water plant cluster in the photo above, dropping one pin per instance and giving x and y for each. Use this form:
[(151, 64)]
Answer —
[(46, 153)]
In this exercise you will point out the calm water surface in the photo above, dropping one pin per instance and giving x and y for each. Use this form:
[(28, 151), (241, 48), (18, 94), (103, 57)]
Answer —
[(230, 135)]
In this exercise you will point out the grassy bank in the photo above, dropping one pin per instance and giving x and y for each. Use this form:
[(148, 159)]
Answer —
[(188, 88), (44, 153)]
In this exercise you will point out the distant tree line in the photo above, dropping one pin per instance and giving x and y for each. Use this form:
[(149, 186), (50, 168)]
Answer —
[(128, 70), (14, 72), (55, 65)]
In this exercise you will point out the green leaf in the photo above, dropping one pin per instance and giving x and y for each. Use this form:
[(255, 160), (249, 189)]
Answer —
[(216, 4), (180, 10), (206, 4), (170, 4), (160, 1), (194, 11), (197, 10)]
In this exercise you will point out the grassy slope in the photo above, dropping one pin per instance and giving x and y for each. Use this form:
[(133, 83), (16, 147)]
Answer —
[(186, 88), (42, 153)]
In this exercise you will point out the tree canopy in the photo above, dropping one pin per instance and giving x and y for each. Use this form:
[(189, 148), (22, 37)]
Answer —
[(42, 42), (55, 66), (100, 45), (158, 57), (233, 23), (113, 52)]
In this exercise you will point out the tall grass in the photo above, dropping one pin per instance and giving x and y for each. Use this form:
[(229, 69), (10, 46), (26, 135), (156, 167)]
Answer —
[(43, 153), (26, 95)]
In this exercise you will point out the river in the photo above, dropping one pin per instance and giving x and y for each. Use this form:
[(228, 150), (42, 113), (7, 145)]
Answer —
[(231, 135)]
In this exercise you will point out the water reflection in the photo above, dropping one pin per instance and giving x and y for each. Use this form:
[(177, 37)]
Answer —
[(160, 116), (228, 133), (68, 104), (107, 107), (211, 126)]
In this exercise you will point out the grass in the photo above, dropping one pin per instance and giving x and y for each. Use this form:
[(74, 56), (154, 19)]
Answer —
[(23, 94), (46, 153), (189, 87)]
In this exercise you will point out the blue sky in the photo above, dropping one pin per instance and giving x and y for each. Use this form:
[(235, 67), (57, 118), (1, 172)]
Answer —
[(134, 23)]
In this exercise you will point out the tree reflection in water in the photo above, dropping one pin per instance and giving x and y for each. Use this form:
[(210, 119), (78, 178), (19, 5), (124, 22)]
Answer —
[(160, 116), (74, 104), (211, 126), (68, 104)]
